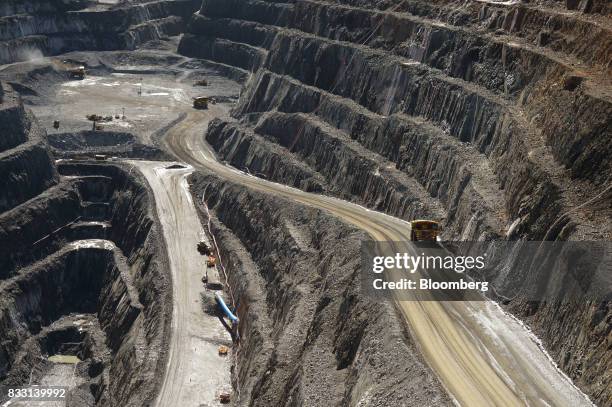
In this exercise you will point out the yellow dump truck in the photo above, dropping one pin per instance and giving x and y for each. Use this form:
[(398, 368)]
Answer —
[(200, 102), (424, 230)]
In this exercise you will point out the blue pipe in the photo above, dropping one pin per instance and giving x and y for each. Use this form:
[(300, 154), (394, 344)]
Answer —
[(225, 309)]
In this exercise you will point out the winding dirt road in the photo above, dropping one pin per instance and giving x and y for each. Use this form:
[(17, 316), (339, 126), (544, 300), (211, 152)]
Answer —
[(483, 356)]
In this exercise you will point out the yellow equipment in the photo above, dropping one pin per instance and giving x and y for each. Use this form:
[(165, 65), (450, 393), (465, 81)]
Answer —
[(427, 230), (211, 261), (200, 103)]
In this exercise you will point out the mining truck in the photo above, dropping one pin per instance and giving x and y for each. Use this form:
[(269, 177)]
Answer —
[(424, 230), (77, 73), (203, 248), (200, 102)]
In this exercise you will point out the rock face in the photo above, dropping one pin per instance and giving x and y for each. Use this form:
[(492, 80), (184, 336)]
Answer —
[(82, 271), (308, 337), (490, 116), (108, 143), (23, 156), (31, 29)]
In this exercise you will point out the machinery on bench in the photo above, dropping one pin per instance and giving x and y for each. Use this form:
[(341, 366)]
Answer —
[(211, 263)]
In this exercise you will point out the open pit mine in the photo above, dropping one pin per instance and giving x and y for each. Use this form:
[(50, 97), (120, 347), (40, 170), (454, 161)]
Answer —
[(305, 203)]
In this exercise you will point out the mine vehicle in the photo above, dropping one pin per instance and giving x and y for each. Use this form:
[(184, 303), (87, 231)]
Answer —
[(56, 124), (203, 248), (202, 82), (424, 230), (200, 102), (212, 261), (77, 73), (224, 397)]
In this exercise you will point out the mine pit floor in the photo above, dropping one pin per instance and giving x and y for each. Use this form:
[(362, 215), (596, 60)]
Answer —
[(140, 96)]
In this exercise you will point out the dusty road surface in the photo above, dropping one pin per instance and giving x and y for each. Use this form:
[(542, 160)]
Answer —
[(483, 356), (195, 373)]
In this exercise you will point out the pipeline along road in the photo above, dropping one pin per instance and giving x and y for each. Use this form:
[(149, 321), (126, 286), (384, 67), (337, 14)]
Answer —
[(195, 373)]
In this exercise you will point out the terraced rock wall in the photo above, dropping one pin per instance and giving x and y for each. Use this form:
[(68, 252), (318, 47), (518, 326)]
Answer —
[(81, 259), (13, 7), (490, 116), (23, 155), (29, 31), (485, 89)]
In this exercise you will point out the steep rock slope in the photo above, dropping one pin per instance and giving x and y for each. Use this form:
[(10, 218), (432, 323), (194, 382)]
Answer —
[(32, 29), (491, 116), (82, 272), (308, 337), (479, 94), (23, 155)]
